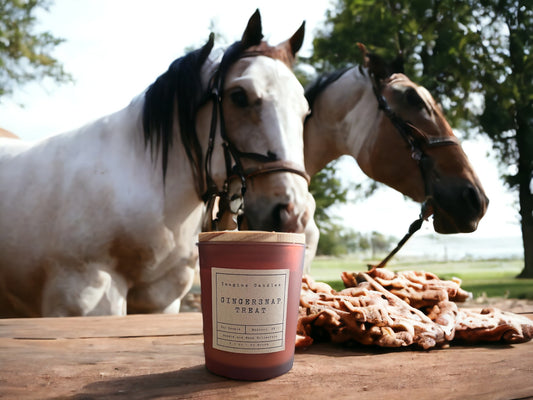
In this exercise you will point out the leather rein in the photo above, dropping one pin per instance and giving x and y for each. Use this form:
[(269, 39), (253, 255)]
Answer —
[(269, 163), (417, 142)]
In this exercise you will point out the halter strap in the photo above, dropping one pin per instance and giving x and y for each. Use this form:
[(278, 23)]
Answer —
[(417, 141), (277, 166), (269, 163), (410, 133)]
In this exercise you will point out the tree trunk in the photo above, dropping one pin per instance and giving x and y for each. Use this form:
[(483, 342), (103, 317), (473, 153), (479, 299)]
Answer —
[(519, 46), (527, 237), (526, 213), (524, 141)]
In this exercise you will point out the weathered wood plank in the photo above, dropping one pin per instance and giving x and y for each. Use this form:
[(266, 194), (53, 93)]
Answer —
[(107, 326), (126, 364)]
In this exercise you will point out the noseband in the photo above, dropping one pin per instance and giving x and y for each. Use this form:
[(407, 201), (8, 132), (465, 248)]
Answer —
[(417, 142), (233, 157)]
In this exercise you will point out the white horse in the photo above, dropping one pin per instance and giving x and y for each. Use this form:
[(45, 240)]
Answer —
[(398, 136), (104, 219)]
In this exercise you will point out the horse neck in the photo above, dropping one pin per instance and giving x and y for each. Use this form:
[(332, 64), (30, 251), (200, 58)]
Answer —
[(122, 131), (344, 115)]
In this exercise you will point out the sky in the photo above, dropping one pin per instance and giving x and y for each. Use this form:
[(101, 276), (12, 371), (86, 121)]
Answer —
[(115, 49)]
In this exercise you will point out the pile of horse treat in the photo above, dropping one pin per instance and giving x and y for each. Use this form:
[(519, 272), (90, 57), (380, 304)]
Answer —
[(388, 309)]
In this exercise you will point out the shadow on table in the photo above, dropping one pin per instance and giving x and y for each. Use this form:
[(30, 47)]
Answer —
[(176, 384)]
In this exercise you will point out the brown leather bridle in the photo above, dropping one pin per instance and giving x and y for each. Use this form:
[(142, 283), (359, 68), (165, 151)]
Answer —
[(417, 141), (233, 157)]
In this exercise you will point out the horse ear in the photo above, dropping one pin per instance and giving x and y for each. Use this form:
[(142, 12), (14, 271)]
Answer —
[(253, 34), (377, 67), (206, 49), (291, 46), (397, 64), (297, 40)]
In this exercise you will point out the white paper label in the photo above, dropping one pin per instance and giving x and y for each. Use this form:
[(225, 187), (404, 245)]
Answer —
[(249, 309)]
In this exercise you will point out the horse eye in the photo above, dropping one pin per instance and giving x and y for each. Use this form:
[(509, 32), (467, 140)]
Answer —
[(413, 98), (239, 98)]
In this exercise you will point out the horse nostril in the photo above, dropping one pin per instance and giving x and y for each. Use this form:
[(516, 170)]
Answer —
[(276, 217), (284, 217), (472, 199)]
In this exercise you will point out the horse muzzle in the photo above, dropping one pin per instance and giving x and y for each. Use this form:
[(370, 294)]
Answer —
[(285, 209), (282, 217), (458, 206)]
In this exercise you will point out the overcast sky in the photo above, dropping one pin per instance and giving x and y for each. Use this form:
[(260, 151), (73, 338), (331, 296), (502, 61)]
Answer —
[(115, 49)]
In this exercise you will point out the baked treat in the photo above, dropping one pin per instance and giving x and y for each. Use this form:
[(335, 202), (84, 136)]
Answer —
[(418, 288), (492, 325), (388, 309), (364, 315)]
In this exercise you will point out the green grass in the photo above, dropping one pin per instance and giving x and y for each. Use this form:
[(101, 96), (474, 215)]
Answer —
[(491, 278)]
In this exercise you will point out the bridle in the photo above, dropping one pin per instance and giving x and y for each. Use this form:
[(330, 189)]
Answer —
[(267, 164), (417, 142)]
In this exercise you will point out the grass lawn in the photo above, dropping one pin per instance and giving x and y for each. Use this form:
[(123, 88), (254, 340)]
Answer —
[(491, 278)]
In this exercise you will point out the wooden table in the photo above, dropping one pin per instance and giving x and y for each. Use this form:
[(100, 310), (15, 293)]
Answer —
[(161, 357)]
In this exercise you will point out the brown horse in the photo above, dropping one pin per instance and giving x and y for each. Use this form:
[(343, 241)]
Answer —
[(6, 134), (399, 136)]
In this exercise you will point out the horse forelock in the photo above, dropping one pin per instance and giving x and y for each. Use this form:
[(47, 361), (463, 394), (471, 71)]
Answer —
[(430, 103), (429, 100), (280, 53)]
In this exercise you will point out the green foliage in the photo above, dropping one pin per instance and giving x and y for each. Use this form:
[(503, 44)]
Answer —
[(327, 190), (337, 240), (332, 241), (25, 55), (381, 243), (438, 48)]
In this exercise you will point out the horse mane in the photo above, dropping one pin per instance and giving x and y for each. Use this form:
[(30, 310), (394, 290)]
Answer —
[(320, 84), (181, 84)]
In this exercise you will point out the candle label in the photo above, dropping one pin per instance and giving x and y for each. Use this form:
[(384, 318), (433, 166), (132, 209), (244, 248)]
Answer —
[(249, 309)]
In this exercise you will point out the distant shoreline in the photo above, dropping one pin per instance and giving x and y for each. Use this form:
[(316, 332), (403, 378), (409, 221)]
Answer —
[(459, 247)]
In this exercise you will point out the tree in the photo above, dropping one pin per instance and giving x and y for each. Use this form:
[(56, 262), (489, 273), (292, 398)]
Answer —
[(25, 55), (380, 243), (475, 57), (327, 190)]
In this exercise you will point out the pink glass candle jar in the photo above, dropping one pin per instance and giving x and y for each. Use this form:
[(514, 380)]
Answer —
[(251, 283)]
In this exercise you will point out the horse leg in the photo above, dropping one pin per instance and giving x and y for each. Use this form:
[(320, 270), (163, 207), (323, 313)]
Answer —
[(164, 294), (90, 290), (312, 234)]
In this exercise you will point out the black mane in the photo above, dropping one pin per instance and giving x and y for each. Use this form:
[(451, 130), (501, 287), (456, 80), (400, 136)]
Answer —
[(181, 83), (323, 81)]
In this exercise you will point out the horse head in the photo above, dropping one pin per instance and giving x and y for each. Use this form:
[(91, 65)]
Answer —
[(398, 135), (415, 151), (262, 111), (240, 121)]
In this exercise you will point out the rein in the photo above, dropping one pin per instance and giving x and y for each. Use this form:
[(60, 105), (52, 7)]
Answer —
[(268, 163), (417, 141)]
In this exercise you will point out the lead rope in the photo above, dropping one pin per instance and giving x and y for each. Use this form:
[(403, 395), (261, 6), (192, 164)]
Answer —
[(413, 228)]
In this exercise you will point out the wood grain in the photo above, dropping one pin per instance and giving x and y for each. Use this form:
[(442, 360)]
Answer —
[(161, 356)]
